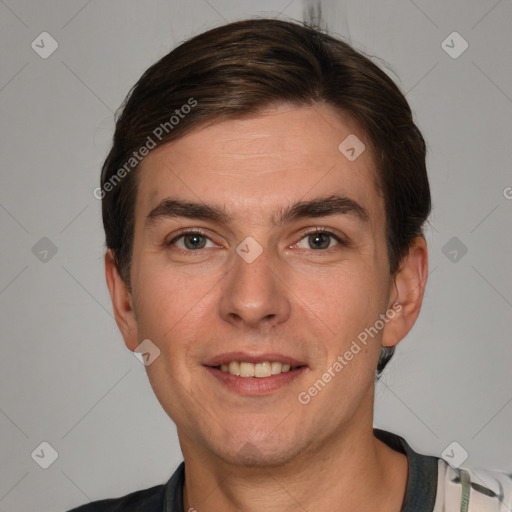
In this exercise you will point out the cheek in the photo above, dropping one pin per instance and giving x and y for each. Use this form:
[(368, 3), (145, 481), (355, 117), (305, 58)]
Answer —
[(344, 299), (176, 312), (168, 298), (342, 304), (171, 313)]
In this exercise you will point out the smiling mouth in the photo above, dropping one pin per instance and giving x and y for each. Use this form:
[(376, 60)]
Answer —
[(258, 370)]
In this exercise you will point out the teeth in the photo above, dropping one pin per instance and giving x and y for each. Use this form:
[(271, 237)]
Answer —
[(276, 368), (262, 370), (234, 368), (258, 370), (246, 370)]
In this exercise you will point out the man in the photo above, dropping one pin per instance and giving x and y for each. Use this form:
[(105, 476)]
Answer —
[(263, 204)]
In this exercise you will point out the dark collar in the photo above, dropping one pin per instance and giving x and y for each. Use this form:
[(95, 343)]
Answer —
[(420, 494)]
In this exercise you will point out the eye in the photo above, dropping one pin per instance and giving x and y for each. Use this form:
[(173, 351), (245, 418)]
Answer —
[(191, 241), (318, 240)]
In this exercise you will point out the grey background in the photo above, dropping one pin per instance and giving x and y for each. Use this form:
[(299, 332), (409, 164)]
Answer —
[(65, 375)]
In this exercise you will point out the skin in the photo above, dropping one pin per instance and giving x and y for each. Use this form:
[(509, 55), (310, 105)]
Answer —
[(269, 452)]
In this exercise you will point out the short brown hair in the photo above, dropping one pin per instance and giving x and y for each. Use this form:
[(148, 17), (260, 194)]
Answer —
[(241, 68)]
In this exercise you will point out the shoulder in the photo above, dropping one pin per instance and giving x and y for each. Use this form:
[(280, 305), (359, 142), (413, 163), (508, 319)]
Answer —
[(149, 500), (473, 490), (167, 496)]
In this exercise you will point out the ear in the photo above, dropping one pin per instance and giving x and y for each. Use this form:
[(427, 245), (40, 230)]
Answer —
[(121, 303), (407, 293)]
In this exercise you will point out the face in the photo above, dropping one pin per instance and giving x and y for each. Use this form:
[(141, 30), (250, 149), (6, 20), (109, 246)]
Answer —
[(259, 258)]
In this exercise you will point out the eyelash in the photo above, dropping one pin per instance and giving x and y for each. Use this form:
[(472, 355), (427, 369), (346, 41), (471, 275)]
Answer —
[(317, 230)]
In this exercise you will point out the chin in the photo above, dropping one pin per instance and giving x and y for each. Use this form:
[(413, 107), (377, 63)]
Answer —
[(258, 448), (252, 455)]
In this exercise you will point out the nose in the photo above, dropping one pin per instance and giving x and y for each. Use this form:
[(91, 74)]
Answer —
[(254, 294)]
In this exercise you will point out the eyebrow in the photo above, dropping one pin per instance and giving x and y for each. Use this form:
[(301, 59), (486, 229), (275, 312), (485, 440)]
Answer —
[(320, 207)]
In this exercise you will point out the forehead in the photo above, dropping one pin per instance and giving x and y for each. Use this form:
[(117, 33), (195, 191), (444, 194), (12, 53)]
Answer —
[(256, 164)]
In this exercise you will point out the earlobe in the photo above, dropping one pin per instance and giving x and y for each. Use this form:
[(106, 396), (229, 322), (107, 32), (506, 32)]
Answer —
[(409, 287), (121, 302)]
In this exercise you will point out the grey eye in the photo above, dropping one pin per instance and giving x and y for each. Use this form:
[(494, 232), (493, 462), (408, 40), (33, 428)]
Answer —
[(316, 241), (192, 241)]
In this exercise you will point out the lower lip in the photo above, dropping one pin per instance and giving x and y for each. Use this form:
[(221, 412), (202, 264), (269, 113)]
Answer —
[(256, 386)]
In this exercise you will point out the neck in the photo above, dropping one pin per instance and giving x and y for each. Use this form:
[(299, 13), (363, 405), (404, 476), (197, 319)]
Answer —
[(354, 471)]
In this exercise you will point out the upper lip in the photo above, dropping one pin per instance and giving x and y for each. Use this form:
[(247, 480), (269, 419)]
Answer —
[(247, 357)]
